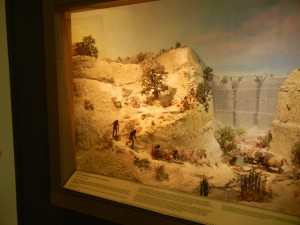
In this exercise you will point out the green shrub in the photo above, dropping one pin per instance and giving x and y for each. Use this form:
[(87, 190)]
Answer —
[(208, 74), (240, 131), (204, 89), (177, 45), (86, 47), (226, 137), (153, 78)]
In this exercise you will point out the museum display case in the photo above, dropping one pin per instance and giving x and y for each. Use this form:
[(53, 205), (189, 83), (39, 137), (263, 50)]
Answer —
[(134, 119)]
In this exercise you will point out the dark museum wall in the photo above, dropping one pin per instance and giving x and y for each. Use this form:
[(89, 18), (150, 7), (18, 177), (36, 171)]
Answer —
[(25, 61), (8, 212)]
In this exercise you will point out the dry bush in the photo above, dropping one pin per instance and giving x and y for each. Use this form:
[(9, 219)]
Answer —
[(135, 102), (142, 163), (253, 187), (150, 100), (109, 60), (161, 173), (126, 92), (88, 105), (194, 157), (264, 141), (117, 104), (167, 97), (144, 116), (183, 155), (141, 57)]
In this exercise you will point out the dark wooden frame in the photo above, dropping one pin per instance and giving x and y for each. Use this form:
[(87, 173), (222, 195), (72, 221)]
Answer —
[(42, 124)]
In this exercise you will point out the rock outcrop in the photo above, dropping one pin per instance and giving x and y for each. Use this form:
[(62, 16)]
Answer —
[(106, 91), (286, 127)]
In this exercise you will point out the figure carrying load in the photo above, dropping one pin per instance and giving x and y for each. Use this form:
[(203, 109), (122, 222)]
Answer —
[(131, 138)]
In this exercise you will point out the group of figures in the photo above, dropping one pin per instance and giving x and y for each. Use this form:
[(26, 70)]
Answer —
[(131, 135), (160, 154), (156, 152)]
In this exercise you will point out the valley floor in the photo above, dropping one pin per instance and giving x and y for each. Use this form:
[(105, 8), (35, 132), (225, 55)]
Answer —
[(282, 191)]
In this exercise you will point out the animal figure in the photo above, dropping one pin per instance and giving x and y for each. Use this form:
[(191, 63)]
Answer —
[(233, 159), (268, 160), (252, 156)]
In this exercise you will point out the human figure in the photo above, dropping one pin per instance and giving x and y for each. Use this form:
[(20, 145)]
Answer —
[(175, 154), (192, 95), (115, 128), (156, 152), (171, 154), (131, 138), (185, 103)]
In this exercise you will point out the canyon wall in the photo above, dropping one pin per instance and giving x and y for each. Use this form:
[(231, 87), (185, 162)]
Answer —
[(246, 101)]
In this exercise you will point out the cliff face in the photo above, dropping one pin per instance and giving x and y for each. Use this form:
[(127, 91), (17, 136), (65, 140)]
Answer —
[(106, 91), (246, 101), (286, 127)]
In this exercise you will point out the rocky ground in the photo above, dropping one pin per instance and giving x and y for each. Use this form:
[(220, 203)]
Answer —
[(282, 192), (105, 91)]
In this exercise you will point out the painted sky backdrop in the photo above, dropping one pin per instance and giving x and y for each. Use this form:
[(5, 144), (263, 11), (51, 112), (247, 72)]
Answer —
[(234, 37)]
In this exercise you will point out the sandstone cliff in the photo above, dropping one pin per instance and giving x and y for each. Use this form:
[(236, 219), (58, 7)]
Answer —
[(105, 91), (286, 127)]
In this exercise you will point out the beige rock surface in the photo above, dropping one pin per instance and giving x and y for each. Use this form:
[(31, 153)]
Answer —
[(286, 128), (102, 83)]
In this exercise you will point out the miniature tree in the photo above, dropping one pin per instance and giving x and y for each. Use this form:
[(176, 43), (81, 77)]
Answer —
[(141, 57), (226, 138), (224, 80), (177, 45), (207, 74), (153, 78), (204, 89), (86, 47)]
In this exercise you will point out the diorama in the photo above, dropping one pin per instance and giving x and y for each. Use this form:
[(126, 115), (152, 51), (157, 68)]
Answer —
[(190, 106)]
